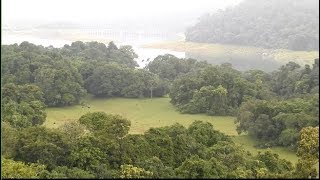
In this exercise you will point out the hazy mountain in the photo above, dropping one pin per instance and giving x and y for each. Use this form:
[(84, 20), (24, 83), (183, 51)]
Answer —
[(291, 24)]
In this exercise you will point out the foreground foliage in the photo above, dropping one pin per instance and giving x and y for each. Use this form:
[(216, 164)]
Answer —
[(102, 148)]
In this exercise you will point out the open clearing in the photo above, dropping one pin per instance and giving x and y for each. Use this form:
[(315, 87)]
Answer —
[(156, 112), (143, 114), (227, 51)]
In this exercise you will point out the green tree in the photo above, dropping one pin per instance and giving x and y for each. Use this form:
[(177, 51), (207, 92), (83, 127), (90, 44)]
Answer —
[(65, 172), (72, 131), (196, 167), (9, 140), (17, 169), (204, 133), (157, 168), (231, 155), (129, 171), (170, 67), (86, 155), (110, 130), (136, 149), (108, 125), (161, 145), (273, 163), (277, 121), (22, 105), (309, 143), (38, 144)]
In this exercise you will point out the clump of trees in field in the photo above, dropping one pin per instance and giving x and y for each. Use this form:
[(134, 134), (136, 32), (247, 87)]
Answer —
[(65, 75), (113, 80), (272, 107), (216, 90), (278, 122), (219, 90), (285, 24), (169, 67)]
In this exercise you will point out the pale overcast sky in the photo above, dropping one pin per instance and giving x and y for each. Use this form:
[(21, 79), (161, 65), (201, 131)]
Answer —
[(88, 10)]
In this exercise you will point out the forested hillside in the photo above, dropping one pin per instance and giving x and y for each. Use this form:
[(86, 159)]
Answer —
[(288, 24), (279, 108)]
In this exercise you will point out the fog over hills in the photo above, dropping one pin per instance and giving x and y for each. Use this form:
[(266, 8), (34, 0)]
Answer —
[(289, 24), (138, 15)]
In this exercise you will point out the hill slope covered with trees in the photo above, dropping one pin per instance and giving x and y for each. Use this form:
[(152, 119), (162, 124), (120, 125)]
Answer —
[(287, 24)]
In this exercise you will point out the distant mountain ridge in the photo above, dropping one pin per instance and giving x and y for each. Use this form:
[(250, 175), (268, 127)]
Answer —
[(288, 24)]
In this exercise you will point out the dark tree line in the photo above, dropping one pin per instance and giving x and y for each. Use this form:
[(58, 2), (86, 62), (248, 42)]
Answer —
[(221, 89), (289, 24), (113, 80), (216, 90), (169, 67), (99, 146), (65, 75), (292, 79)]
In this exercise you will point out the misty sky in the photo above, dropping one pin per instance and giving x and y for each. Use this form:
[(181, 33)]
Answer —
[(29, 11)]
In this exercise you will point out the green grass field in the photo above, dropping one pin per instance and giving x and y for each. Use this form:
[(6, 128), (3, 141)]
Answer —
[(227, 51), (143, 114), (248, 143), (156, 112)]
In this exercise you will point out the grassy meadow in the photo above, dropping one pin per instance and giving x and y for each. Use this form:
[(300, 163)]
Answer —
[(221, 51), (156, 112), (143, 114)]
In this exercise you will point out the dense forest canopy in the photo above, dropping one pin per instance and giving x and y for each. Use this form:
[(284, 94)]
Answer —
[(278, 122), (279, 108), (99, 146), (287, 24)]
